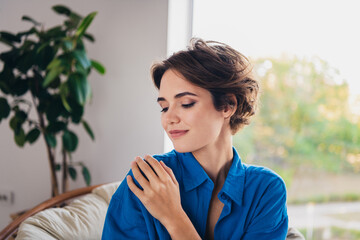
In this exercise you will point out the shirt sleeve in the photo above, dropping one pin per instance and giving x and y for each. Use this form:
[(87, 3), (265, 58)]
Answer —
[(124, 218), (270, 220)]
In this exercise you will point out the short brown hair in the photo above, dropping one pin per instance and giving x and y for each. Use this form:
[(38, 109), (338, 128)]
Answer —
[(221, 70)]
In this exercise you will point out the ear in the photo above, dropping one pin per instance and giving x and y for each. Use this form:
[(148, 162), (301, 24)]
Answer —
[(230, 107)]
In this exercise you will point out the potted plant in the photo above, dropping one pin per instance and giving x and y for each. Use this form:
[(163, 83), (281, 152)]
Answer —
[(46, 71)]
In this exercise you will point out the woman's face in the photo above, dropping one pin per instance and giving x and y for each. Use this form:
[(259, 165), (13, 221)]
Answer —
[(188, 114)]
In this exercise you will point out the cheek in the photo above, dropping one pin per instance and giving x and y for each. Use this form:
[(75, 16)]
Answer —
[(192, 118), (204, 120)]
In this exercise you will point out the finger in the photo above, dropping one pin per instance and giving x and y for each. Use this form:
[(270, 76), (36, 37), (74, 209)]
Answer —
[(169, 171), (148, 171), (138, 193), (140, 178), (156, 166)]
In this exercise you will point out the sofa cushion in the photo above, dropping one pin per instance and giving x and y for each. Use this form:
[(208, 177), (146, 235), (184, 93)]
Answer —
[(106, 191), (83, 218)]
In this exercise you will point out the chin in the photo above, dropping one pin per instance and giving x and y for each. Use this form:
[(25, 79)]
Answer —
[(184, 148), (181, 149)]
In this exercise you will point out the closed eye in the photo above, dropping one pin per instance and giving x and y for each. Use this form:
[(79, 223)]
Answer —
[(188, 105), (183, 105), (164, 109)]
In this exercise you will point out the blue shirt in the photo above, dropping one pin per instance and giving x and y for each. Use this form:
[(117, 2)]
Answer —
[(254, 201)]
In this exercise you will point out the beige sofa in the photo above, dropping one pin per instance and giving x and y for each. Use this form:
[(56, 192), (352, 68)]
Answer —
[(82, 218)]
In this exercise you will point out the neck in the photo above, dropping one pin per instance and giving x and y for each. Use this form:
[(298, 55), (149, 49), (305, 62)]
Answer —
[(216, 158)]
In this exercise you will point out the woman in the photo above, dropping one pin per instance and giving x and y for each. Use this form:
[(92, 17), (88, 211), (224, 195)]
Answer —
[(200, 190)]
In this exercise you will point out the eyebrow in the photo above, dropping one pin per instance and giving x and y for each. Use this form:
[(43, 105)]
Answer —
[(179, 95)]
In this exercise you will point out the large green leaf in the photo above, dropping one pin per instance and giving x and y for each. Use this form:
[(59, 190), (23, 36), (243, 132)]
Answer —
[(98, 66), (20, 87), (55, 32), (72, 172), (80, 55), (70, 141), (55, 63), (10, 44), (80, 69), (21, 115), (20, 137), (6, 77), (53, 110), (64, 60), (10, 58), (26, 60), (14, 123), (45, 54), (61, 9), (55, 127), (89, 37), (27, 18), (88, 129), (85, 24), (4, 108), (79, 87), (77, 111), (33, 135), (50, 139), (68, 45), (52, 75), (80, 44), (64, 91), (17, 120), (9, 37), (86, 174)]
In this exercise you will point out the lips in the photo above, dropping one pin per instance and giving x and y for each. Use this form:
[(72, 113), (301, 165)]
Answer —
[(177, 133)]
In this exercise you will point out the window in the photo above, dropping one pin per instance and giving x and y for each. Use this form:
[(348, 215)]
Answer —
[(306, 56)]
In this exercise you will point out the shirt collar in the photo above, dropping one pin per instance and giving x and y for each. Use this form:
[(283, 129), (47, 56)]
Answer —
[(194, 175), (235, 180)]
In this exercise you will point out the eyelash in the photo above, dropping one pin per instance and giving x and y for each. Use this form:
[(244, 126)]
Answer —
[(183, 105), (188, 105)]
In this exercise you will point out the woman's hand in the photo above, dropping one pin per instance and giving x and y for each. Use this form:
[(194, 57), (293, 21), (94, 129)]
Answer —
[(160, 194)]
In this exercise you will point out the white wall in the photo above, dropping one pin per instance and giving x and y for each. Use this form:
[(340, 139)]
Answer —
[(130, 35)]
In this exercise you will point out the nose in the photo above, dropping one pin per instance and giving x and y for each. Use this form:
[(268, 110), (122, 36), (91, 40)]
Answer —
[(172, 116)]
